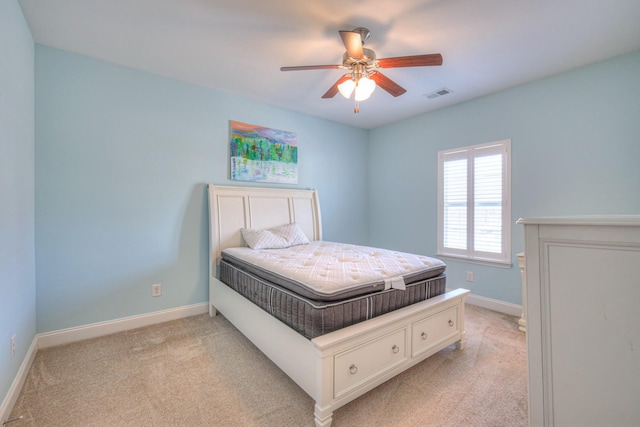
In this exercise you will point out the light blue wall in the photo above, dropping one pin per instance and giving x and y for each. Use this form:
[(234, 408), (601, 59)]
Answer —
[(575, 150), (17, 253), (122, 158)]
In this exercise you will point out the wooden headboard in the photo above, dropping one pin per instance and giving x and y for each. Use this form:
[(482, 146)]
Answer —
[(232, 208)]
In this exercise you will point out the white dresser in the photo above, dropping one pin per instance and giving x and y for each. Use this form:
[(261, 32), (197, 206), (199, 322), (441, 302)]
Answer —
[(583, 320)]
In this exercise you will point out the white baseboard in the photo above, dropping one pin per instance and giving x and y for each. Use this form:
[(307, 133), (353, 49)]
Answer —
[(65, 336), (495, 305), (14, 391)]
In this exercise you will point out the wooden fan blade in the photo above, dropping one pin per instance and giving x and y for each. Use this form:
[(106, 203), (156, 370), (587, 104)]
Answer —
[(310, 67), (387, 84), (411, 61), (353, 43), (333, 90)]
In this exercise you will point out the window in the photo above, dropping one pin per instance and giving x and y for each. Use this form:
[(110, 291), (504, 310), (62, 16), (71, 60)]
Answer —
[(474, 202)]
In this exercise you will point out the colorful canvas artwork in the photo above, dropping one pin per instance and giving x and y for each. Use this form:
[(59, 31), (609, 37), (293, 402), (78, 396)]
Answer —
[(261, 154)]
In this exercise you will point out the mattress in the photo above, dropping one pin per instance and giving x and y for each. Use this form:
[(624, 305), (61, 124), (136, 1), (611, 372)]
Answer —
[(330, 271), (312, 318)]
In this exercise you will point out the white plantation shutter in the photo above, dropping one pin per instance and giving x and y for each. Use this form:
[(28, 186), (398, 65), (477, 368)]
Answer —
[(487, 213), (474, 202), (455, 204)]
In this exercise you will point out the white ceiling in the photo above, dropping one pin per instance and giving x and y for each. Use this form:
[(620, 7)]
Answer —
[(238, 46)]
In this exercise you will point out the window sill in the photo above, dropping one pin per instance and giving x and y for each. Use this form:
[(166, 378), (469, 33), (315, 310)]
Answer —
[(491, 263)]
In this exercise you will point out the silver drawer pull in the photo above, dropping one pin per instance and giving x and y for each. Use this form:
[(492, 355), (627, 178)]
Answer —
[(395, 349), (424, 335), (450, 322), (353, 369)]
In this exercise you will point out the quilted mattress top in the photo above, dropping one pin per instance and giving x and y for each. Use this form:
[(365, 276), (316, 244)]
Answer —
[(329, 271)]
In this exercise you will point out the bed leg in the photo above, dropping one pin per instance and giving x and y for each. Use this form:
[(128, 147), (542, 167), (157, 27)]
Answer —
[(463, 339), (323, 417), (212, 311)]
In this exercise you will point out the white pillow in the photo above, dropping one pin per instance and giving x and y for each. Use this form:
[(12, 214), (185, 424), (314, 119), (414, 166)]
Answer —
[(275, 238)]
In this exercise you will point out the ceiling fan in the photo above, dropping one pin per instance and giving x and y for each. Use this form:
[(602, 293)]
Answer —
[(363, 67)]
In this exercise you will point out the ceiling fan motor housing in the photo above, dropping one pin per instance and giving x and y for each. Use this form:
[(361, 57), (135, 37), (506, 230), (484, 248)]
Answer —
[(368, 56)]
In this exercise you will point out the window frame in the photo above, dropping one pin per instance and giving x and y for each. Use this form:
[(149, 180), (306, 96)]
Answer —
[(470, 153)]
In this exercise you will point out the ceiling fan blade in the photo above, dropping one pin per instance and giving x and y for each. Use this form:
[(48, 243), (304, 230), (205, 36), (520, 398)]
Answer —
[(386, 83), (411, 61), (353, 43), (310, 67), (333, 90)]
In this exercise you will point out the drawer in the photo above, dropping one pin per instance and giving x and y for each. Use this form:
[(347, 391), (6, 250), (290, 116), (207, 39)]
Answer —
[(429, 332), (358, 365)]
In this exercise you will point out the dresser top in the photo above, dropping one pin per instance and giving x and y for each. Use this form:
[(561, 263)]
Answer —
[(617, 220)]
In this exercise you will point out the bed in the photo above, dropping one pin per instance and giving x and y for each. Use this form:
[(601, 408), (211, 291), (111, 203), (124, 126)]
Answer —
[(391, 325)]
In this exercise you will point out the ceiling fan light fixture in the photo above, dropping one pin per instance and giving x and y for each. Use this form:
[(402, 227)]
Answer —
[(346, 88), (364, 88)]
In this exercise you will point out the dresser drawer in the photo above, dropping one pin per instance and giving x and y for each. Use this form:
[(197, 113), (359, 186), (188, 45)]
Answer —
[(358, 365), (429, 332)]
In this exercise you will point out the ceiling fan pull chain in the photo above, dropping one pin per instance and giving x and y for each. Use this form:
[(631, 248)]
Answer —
[(356, 108)]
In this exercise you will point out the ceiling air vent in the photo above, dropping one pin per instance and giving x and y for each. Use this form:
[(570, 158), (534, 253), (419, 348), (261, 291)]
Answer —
[(438, 93)]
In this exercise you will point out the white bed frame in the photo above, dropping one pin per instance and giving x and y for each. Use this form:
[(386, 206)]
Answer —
[(338, 367)]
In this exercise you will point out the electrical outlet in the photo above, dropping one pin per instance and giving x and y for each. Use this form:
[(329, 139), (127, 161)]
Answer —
[(156, 290), (13, 346), (469, 276)]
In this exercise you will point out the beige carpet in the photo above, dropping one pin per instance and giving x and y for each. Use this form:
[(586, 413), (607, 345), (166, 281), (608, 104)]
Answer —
[(201, 371)]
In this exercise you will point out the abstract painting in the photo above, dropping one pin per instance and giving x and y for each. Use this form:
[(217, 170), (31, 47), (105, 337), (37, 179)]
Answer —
[(261, 154)]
